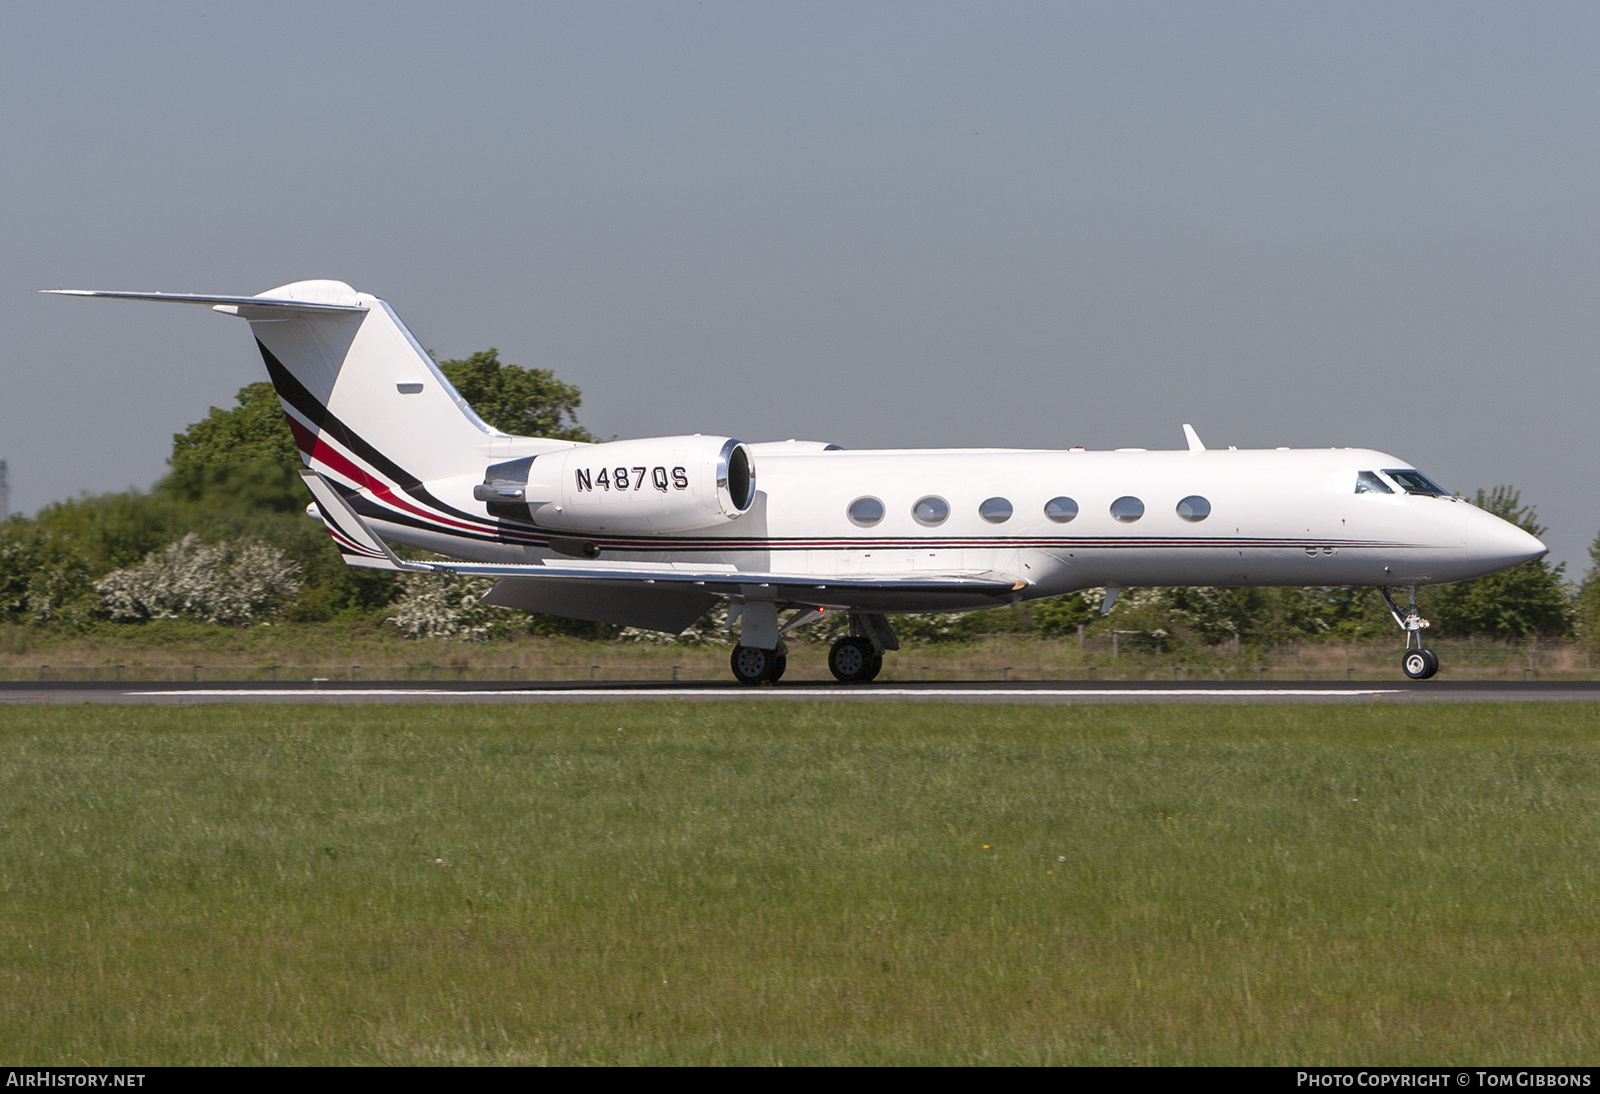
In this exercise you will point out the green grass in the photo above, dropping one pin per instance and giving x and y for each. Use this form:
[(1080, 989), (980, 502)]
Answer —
[(177, 650), (763, 883)]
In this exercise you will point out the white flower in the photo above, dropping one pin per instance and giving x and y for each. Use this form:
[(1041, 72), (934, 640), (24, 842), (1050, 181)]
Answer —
[(446, 605), (215, 583)]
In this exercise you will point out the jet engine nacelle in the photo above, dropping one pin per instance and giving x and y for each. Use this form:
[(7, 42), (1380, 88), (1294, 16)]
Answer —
[(655, 484)]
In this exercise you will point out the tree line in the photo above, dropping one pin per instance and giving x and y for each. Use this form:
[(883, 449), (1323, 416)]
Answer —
[(223, 538)]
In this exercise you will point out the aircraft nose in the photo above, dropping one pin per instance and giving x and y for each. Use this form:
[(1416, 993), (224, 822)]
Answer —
[(1501, 544)]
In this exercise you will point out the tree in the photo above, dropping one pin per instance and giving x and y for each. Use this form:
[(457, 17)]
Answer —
[(525, 402), (1062, 615), (1530, 599), (42, 579), (1587, 606), (244, 456)]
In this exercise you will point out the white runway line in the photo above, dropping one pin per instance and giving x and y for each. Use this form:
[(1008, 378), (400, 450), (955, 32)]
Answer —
[(784, 693)]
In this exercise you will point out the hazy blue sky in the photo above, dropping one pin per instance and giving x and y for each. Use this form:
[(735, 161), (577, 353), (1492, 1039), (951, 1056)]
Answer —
[(875, 224)]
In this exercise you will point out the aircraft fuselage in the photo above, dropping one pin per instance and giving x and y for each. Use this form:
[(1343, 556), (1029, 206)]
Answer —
[(1275, 517)]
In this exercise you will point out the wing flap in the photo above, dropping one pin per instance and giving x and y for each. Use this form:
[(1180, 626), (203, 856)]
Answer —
[(668, 608)]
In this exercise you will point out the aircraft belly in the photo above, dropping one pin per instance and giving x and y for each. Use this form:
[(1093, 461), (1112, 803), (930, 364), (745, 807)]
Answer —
[(1227, 566)]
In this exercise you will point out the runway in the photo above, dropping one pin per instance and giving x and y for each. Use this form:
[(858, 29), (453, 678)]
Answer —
[(1035, 692)]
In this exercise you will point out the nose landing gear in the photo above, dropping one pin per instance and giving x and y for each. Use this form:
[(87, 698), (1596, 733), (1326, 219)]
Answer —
[(1417, 663), (1420, 664)]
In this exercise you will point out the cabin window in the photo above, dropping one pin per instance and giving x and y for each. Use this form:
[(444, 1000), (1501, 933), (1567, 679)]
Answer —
[(1061, 510), (865, 512), (1415, 482), (408, 389), (995, 510), (1194, 508), (1127, 509), (1367, 482), (930, 511)]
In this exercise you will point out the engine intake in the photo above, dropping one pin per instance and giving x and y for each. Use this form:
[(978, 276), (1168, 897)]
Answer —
[(656, 484)]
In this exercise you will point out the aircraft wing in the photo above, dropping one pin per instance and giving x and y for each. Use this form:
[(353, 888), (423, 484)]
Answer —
[(659, 594)]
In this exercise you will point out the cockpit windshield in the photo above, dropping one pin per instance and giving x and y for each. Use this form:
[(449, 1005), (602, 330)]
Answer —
[(1415, 482), (1368, 482)]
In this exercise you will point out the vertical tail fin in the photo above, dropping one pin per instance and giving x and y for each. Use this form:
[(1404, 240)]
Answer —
[(357, 386)]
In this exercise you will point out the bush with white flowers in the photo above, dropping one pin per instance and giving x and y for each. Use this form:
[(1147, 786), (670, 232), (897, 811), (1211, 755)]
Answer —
[(447, 605), (235, 582)]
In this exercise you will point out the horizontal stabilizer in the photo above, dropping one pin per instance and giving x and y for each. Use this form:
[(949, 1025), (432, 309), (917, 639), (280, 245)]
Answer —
[(215, 301)]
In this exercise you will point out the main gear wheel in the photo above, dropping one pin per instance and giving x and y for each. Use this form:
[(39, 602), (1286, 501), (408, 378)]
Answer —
[(753, 665), (854, 661)]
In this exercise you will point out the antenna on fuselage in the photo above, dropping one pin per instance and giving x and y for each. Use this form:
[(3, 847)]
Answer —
[(1193, 438)]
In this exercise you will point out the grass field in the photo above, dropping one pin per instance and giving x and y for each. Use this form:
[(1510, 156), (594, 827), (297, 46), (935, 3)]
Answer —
[(765, 883), (170, 650)]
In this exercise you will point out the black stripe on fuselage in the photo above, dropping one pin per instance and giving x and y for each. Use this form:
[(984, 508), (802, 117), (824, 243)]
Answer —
[(374, 510), (293, 392)]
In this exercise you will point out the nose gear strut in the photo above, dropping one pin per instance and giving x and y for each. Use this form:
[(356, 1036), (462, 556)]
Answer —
[(1417, 662)]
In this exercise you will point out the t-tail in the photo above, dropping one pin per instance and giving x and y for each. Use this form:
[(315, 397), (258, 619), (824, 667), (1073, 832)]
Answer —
[(369, 408)]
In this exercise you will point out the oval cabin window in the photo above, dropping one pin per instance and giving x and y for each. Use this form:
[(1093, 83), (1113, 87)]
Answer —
[(1061, 510), (930, 511), (995, 510), (1194, 508), (865, 512), (1127, 509)]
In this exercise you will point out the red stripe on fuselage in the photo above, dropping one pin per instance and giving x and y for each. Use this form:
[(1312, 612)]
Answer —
[(324, 453)]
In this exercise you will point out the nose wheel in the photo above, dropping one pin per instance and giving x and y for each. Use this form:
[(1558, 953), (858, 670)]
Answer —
[(854, 660), (1416, 662), (1420, 664)]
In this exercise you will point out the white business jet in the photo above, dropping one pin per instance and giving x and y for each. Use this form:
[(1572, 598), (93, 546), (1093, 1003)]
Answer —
[(652, 533)]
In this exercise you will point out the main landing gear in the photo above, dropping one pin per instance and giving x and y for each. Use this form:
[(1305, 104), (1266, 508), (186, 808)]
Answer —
[(761, 656), (858, 658), (853, 661), (1417, 662), (754, 665)]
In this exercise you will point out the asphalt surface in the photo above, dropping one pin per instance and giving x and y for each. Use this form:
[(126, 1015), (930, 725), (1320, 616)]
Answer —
[(1048, 692)]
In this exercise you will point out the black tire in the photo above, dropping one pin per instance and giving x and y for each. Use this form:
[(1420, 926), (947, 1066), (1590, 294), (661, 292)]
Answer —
[(1419, 664), (752, 664), (779, 663), (854, 661)]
